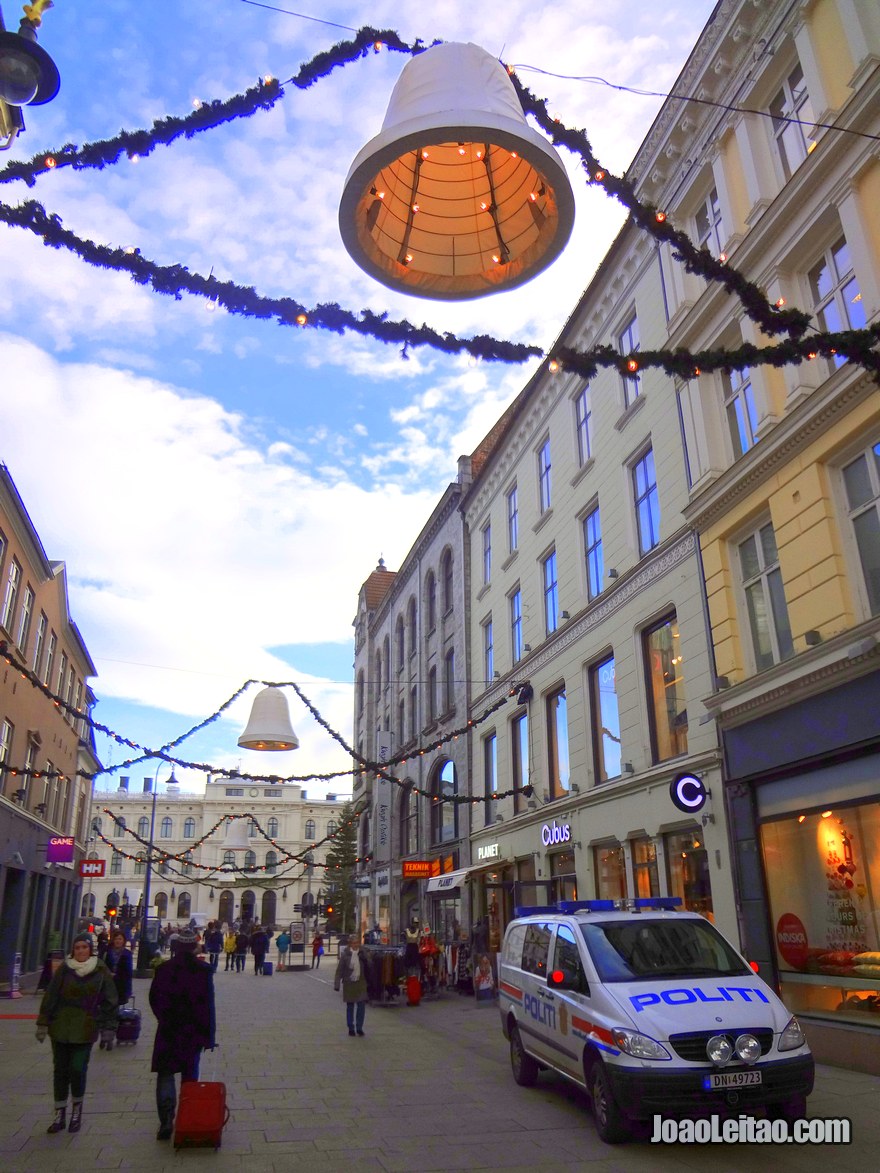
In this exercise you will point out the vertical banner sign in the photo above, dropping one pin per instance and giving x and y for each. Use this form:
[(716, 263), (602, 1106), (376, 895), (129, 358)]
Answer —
[(383, 800), (15, 978)]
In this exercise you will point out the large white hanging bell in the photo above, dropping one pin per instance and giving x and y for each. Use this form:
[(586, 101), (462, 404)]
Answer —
[(269, 725), (457, 196)]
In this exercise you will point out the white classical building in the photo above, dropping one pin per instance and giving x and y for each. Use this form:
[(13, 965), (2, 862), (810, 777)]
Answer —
[(268, 888)]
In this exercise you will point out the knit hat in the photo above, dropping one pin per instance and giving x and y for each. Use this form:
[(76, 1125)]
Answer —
[(185, 939), (87, 937)]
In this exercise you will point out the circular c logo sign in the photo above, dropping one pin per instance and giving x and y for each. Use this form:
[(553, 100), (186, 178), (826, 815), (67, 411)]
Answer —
[(688, 793)]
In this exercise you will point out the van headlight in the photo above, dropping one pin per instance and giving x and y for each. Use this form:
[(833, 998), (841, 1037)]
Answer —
[(639, 1046), (792, 1036)]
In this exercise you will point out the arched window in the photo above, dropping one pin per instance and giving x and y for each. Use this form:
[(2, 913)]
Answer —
[(119, 829), (248, 904), (163, 868), (228, 858), (187, 864), (227, 907), (189, 829), (400, 643), (143, 826), (377, 676), (267, 908), (272, 828), (97, 824), (140, 865), (184, 903), (115, 863), (87, 908), (431, 600), (449, 682), (250, 859), (446, 575), (444, 815), (332, 826), (386, 652), (162, 905), (271, 862), (411, 624), (165, 829), (408, 825), (310, 828), (252, 829), (360, 694)]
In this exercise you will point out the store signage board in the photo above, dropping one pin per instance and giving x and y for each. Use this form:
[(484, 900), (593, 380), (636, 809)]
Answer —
[(383, 801), (419, 869), (489, 851), (555, 833), (60, 849), (91, 867), (688, 793)]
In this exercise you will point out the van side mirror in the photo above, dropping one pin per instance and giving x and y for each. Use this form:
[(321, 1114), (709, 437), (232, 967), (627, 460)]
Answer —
[(564, 979)]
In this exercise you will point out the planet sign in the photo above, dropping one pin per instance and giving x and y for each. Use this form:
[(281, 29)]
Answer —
[(688, 793)]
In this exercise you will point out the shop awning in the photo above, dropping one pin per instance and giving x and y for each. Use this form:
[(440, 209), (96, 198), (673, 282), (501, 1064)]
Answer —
[(447, 881)]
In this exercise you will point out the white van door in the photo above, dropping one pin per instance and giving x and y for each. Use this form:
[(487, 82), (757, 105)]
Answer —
[(571, 1004), (537, 1020)]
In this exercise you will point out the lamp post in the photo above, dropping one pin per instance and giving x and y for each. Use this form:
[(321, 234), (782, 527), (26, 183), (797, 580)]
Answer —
[(28, 75), (145, 952)]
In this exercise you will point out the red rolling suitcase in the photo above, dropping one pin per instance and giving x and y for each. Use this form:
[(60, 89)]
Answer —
[(201, 1115)]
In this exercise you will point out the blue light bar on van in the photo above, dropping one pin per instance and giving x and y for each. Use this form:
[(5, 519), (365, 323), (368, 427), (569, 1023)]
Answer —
[(532, 909), (656, 902), (568, 906)]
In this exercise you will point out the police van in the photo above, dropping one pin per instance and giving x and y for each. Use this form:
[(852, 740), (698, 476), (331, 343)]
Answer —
[(651, 1010)]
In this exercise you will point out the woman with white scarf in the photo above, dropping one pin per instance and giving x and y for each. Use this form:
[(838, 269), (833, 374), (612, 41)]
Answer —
[(79, 1004), (350, 973)]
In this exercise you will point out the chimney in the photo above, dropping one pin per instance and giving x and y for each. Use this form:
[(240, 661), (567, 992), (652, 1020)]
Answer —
[(123, 785), (148, 785)]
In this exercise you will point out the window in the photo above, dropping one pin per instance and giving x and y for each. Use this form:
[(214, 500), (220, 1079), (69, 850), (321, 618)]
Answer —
[(644, 860), (143, 826), (40, 642), (115, 864), (664, 670), (189, 828), (444, 811), (551, 593), (401, 721), (431, 600), (332, 826), (536, 948), (687, 863), (710, 229), (792, 116), (13, 585), (68, 691), (512, 520), (250, 858), (446, 567), (252, 829), (411, 623), (234, 792), (593, 553), (360, 694), (400, 640), (566, 958), (519, 746), (386, 655), (413, 712), (62, 675), (409, 838), (486, 535), (765, 598), (559, 773), (583, 415), (449, 681), (187, 863), (272, 827), (184, 905), (165, 828), (228, 858), (432, 694), (609, 868), (50, 658), (490, 775), (647, 502), (545, 496), (119, 828), (140, 867), (861, 479), (837, 299), (377, 677), (24, 619), (310, 828), (488, 650), (739, 406), (628, 345), (161, 905), (516, 636), (271, 862), (606, 720)]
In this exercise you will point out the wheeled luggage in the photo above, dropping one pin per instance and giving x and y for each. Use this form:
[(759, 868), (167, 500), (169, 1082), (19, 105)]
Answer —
[(128, 1024), (267, 968), (413, 990), (201, 1115)]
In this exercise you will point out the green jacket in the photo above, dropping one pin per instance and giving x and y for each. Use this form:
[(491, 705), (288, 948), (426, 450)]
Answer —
[(76, 1008)]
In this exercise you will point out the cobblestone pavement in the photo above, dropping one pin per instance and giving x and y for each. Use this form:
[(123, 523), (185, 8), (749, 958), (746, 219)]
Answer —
[(427, 1088)]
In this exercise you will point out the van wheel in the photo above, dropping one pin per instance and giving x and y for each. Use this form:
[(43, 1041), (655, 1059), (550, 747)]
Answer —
[(525, 1068), (610, 1122), (789, 1110)]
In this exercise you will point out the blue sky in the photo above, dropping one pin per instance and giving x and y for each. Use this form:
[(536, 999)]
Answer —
[(220, 487)]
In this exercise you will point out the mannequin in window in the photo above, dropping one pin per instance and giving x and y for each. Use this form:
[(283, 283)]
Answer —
[(413, 936)]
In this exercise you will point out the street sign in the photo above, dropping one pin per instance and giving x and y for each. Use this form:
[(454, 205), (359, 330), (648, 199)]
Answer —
[(362, 884), (91, 867)]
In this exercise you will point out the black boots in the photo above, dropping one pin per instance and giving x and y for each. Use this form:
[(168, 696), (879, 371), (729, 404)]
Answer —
[(75, 1117), (60, 1120), (166, 1124)]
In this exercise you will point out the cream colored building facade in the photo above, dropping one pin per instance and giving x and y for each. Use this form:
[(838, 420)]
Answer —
[(268, 889)]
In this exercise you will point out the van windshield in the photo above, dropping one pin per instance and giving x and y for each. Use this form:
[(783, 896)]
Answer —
[(641, 948)]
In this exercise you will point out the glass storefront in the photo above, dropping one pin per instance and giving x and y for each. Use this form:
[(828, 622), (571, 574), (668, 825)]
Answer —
[(822, 869), (644, 860), (687, 863), (564, 880), (445, 919), (609, 867)]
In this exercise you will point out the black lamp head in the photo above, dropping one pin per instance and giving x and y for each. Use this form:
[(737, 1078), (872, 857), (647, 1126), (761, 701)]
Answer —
[(28, 75)]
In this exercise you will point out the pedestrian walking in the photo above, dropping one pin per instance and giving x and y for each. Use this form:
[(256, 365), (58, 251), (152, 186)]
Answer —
[(242, 943), (229, 949), (350, 974), (317, 950), (182, 999), (214, 944), (118, 961), (283, 943), (259, 948), (78, 1005)]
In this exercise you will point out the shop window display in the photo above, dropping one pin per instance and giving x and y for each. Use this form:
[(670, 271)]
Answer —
[(610, 871), (823, 882), (688, 865)]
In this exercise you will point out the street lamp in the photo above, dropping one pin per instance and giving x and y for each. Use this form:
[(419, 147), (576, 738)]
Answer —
[(28, 75), (145, 953)]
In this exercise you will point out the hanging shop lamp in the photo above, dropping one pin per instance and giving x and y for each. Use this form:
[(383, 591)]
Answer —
[(269, 725), (457, 196), (236, 836)]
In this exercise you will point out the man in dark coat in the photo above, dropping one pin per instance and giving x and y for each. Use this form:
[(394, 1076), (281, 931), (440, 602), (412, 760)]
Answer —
[(259, 948), (182, 999)]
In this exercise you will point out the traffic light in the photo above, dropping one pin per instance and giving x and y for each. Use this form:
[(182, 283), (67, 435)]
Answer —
[(328, 910), (110, 910)]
